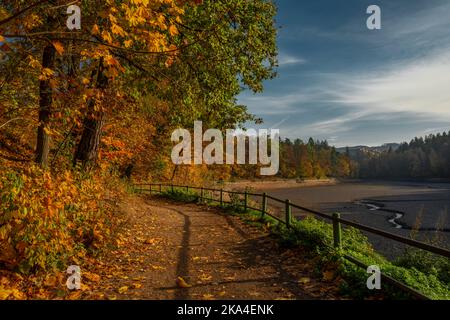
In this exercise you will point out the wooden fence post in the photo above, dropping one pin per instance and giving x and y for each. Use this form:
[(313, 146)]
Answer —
[(245, 201), (264, 205), (337, 232), (288, 211), (221, 197), (160, 188), (201, 194)]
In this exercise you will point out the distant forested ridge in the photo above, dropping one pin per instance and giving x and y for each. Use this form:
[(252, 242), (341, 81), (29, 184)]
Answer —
[(313, 159), (427, 157)]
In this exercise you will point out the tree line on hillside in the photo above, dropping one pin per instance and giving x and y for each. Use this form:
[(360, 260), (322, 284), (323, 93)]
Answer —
[(313, 159), (303, 160), (422, 158), (427, 157)]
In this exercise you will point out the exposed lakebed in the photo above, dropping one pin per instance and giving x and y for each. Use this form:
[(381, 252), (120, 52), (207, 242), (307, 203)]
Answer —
[(411, 209)]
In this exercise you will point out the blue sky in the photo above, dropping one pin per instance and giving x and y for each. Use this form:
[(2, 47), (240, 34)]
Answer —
[(342, 82)]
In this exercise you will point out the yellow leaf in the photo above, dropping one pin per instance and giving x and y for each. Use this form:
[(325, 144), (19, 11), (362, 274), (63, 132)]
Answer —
[(182, 283), (92, 276), (50, 281), (116, 29), (111, 61), (151, 241), (5, 293), (18, 294), (2, 39), (123, 289), (128, 43), (158, 268), (58, 46), (205, 277), (46, 74), (95, 29), (304, 280), (137, 285), (107, 36), (34, 63), (173, 30)]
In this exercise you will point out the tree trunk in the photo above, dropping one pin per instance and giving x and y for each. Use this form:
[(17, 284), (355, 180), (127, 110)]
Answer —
[(87, 149), (45, 103)]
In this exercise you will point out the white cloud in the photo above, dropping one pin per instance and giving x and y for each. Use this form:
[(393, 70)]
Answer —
[(286, 59), (420, 87), (418, 90), (424, 23)]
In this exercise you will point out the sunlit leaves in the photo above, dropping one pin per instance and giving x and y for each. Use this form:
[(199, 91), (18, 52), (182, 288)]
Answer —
[(48, 217), (59, 47)]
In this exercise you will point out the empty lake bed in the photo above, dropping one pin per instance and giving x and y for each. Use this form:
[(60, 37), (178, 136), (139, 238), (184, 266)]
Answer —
[(411, 209)]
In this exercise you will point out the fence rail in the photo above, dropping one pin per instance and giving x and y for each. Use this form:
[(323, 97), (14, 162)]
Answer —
[(336, 220)]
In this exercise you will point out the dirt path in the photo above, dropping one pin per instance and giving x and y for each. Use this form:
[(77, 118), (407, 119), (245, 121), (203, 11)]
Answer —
[(218, 255)]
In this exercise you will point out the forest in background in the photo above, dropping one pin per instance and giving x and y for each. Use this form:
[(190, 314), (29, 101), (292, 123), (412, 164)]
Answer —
[(313, 159), (422, 158)]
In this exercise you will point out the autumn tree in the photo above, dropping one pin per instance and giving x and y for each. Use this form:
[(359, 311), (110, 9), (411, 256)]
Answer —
[(109, 30)]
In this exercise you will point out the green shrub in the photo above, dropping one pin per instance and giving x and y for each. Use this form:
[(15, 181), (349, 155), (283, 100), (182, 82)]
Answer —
[(181, 195)]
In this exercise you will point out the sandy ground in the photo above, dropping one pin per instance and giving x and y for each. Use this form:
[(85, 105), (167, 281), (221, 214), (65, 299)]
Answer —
[(423, 205), (279, 183)]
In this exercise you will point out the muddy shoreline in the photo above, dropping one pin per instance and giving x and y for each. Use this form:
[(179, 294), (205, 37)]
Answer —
[(418, 210)]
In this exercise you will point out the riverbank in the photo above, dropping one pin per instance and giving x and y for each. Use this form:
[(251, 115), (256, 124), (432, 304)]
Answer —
[(263, 184)]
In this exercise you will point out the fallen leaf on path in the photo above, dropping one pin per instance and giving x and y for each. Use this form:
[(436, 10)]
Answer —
[(158, 268), (137, 285), (182, 283), (205, 277), (123, 289), (328, 275), (91, 276), (304, 280), (151, 241)]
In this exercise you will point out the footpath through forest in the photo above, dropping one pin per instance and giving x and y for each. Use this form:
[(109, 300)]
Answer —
[(185, 251)]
